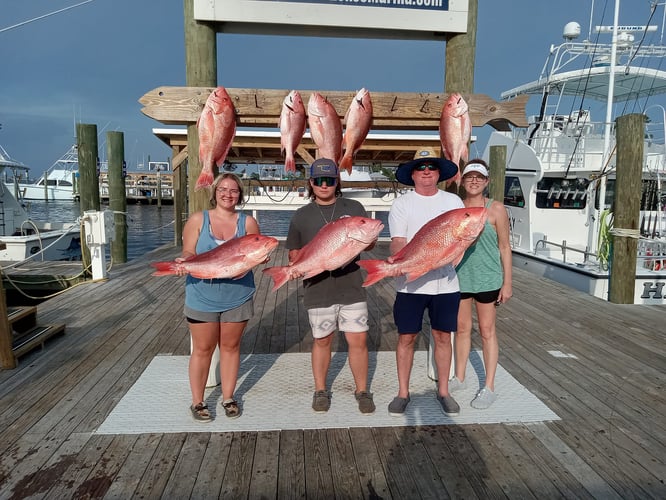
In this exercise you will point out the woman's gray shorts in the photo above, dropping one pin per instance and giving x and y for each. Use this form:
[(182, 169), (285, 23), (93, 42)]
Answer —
[(236, 315)]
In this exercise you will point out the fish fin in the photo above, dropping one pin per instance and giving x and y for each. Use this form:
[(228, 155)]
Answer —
[(289, 165), (346, 163), (279, 274), (412, 276), (458, 259), (164, 268), (205, 179), (376, 270)]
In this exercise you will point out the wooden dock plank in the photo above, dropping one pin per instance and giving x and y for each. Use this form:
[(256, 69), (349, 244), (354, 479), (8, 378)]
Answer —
[(609, 443)]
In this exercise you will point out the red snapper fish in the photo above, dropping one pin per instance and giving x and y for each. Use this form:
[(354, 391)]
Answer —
[(292, 127), (441, 241), (231, 259), (358, 120), (335, 245), (217, 127), (325, 127), (455, 131)]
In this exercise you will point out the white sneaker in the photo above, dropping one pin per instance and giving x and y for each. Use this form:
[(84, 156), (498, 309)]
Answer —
[(457, 385), (484, 398)]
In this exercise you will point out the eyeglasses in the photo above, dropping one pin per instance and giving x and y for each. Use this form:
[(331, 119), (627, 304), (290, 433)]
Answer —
[(474, 178), (232, 192), (429, 166), (319, 181)]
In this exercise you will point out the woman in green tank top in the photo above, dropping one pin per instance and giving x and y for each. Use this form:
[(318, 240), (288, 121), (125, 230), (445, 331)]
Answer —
[(484, 275)]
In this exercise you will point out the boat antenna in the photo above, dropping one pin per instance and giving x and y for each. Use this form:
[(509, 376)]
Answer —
[(23, 23)]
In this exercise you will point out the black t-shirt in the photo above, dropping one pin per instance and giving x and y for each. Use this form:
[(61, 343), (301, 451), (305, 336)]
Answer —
[(340, 286)]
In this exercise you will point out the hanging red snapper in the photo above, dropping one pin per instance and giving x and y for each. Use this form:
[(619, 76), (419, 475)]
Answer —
[(455, 131), (335, 245), (325, 127), (217, 127), (292, 127), (441, 241), (231, 259), (358, 121)]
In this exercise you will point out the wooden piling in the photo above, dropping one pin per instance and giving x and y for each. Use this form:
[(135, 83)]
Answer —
[(115, 146), (627, 198), (86, 140), (497, 164), (200, 70), (7, 358)]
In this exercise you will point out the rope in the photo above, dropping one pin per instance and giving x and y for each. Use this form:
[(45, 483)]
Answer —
[(626, 233)]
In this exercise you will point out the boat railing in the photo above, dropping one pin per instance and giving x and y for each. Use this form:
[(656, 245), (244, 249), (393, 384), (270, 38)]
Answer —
[(545, 244)]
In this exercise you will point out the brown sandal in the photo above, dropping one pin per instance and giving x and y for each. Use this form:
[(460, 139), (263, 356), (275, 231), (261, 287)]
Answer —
[(200, 412), (231, 409)]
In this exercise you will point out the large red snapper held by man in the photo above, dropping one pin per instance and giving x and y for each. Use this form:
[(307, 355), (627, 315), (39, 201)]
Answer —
[(441, 241), (217, 127), (335, 245), (358, 121), (455, 131), (325, 127), (292, 127), (231, 259)]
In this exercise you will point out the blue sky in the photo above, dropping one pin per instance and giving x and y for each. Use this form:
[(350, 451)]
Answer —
[(92, 63)]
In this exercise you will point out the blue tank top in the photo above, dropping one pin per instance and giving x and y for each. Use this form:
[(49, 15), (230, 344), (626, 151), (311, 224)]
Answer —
[(480, 269), (217, 295)]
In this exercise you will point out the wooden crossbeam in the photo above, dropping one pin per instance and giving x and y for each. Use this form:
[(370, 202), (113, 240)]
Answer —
[(391, 110)]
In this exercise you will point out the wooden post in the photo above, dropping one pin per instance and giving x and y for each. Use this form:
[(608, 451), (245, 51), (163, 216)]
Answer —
[(459, 64), (627, 199), (7, 358), (179, 192), (159, 188), (46, 185), (86, 139), (497, 164), (115, 147), (200, 70)]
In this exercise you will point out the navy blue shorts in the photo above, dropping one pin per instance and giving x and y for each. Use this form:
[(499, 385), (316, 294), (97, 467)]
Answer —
[(408, 310)]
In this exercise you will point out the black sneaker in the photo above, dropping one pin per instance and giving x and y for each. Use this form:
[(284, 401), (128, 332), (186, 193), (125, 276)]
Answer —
[(365, 403), (398, 405), (200, 412), (449, 405), (321, 401)]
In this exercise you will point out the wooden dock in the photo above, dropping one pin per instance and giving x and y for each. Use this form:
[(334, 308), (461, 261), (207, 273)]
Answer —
[(609, 443)]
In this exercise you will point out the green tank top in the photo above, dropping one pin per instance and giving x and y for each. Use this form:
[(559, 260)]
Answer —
[(480, 269)]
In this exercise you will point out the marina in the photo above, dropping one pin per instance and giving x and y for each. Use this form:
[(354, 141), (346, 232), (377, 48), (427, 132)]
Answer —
[(598, 368)]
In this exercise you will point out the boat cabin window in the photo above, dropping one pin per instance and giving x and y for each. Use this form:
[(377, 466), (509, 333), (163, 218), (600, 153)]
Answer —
[(64, 183), (513, 192), (559, 193)]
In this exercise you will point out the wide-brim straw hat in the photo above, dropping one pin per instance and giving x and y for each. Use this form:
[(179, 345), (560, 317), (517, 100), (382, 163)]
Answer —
[(447, 169)]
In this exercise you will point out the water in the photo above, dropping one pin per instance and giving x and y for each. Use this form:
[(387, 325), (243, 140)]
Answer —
[(148, 226)]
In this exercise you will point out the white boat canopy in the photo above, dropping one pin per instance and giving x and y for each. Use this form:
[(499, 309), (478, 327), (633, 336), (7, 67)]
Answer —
[(630, 83)]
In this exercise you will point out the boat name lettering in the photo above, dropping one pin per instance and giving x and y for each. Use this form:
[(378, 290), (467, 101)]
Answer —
[(654, 292), (625, 28), (404, 4)]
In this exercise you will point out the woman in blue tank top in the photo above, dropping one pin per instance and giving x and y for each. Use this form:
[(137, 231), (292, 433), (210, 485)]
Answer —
[(484, 275), (217, 310)]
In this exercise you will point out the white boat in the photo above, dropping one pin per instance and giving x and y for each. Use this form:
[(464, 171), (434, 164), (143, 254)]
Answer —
[(564, 162), (22, 238), (58, 182), (271, 195)]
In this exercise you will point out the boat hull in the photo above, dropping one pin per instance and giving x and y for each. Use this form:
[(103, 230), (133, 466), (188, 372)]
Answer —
[(48, 245), (649, 286)]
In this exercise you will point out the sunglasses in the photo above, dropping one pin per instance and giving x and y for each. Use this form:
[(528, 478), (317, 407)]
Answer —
[(429, 166), (319, 181)]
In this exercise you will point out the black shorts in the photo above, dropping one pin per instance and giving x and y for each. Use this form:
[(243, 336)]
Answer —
[(408, 310), (482, 297)]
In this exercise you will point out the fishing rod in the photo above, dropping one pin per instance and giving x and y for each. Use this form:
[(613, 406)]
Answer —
[(23, 23)]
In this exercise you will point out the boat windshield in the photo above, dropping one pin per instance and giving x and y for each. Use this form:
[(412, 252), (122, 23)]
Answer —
[(560, 193)]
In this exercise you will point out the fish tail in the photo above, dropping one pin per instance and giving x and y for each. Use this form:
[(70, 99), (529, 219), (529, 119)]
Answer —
[(346, 163), (376, 270), (205, 179), (164, 268), (279, 274), (290, 164)]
